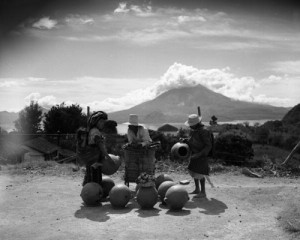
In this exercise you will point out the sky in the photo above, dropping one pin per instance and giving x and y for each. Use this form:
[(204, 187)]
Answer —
[(112, 55)]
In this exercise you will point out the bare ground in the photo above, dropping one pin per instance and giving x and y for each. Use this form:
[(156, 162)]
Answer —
[(36, 206)]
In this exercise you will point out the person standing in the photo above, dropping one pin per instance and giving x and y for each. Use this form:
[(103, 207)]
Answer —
[(200, 145), (96, 146)]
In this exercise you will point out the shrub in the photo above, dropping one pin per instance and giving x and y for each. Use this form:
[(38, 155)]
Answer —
[(262, 135), (289, 218), (234, 148), (290, 142), (277, 140)]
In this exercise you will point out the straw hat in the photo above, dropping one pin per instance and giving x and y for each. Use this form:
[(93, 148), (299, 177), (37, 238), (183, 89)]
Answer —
[(193, 120), (133, 120)]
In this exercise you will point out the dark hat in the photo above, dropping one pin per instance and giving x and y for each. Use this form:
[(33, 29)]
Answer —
[(95, 117)]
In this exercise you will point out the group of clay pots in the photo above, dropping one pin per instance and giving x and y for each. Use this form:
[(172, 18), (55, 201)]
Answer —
[(171, 194)]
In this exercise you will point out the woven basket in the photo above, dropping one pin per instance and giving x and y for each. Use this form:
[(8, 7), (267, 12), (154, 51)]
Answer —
[(138, 161)]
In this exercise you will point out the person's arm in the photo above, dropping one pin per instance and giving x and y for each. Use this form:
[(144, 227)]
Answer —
[(206, 138), (145, 137)]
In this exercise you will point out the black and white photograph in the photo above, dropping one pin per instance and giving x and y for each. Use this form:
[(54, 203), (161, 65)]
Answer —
[(149, 119)]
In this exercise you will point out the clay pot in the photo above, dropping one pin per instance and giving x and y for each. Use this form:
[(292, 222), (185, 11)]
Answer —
[(107, 184), (91, 193), (176, 197), (162, 178), (119, 196), (147, 197), (111, 166), (163, 188), (180, 151)]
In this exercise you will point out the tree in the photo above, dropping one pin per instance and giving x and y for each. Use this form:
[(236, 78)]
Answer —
[(30, 118), (213, 120), (262, 135), (64, 119)]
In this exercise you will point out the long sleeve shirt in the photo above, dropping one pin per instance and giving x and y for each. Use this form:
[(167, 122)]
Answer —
[(142, 136)]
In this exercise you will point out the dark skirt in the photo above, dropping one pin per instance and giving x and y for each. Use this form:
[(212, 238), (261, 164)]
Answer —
[(199, 165), (92, 175)]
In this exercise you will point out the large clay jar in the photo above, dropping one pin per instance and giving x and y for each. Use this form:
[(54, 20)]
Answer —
[(119, 196), (180, 151), (163, 188), (147, 197), (111, 166), (91, 193), (176, 197), (162, 178), (107, 184)]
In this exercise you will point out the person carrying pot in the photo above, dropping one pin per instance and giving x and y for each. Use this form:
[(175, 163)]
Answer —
[(96, 147), (200, 145)]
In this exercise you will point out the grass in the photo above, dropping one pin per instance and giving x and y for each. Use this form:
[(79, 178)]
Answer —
[(274, 154), (289, 217), (265, 154), (42, 167)]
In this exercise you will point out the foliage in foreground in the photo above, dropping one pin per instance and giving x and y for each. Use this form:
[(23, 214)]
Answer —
[(289, 217)]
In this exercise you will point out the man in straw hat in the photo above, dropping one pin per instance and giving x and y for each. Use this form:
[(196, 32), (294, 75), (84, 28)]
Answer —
[(137, 134), (200, 145)]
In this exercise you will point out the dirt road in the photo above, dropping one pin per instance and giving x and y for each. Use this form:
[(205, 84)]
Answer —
[(47, 207)]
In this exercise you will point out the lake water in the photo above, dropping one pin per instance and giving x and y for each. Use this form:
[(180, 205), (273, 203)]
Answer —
[(122, 128)]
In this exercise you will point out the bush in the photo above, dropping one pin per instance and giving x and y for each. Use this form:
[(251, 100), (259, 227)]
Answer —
[(262, 135), (276, 140), (290, 142), (289, 218), (234, 148)]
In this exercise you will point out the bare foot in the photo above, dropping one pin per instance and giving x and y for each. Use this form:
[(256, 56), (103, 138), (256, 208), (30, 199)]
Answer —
[(195, 192), (201, 195)]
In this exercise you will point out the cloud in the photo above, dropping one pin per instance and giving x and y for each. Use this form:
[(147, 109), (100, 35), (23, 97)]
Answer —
[(45, 23), (46, 102), (245, 88), (79, 20), (272, 79), (32, 97), (141, 11), (185, 19), (287, 67), (122, 8), (201, 28), (222, 81), (275, 101), (8, 84), (36, 79)]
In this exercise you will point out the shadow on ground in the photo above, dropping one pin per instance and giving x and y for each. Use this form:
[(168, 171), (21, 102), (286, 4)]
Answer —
[(210, 206), (101, 212)]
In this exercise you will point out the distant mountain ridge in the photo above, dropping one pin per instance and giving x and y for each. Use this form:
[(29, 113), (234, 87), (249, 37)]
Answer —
[(176, 104)]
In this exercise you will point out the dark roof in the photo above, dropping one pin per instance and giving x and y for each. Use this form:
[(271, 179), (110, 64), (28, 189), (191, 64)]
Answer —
[(41, 145), (67, 152), (167, 128)]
